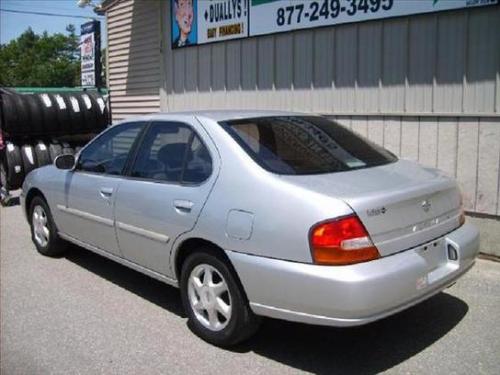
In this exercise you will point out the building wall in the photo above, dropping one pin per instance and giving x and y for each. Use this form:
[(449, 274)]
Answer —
[(133, 55), (426, 87)]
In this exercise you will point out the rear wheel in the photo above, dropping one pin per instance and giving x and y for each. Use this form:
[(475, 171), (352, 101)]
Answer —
[(43, 229), (217, 309), (12, 171)]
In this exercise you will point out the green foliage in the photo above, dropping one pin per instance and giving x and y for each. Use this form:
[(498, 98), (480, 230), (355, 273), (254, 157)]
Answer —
[(41, 60)]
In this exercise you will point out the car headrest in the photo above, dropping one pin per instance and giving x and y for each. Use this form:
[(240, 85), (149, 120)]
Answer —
[(172, 155)]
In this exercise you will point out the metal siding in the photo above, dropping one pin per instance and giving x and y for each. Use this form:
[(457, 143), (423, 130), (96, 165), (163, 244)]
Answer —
[(428, 139), (376, 130), (392, 134), (410, 138), (191, 72), (218, 75), (447, 145), (488, 173), (265, 72), (482, 60), (204, 77), (394, 65), (421, 64), (233, 65), (248, 73), (345, 63), (450, 66), (369, 67), (467, 156), (284, 45), (303, 70), (321, 95)]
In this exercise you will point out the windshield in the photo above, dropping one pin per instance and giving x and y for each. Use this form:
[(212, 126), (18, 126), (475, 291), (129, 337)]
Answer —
[(305, 145)]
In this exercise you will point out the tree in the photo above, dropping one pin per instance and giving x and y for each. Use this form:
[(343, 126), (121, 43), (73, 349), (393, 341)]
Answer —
[(41, 60)]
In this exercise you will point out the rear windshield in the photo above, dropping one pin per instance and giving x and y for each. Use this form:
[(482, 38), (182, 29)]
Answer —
[(295, 145)]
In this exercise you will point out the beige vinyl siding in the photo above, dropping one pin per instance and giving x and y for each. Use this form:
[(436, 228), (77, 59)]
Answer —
[(134, 60)]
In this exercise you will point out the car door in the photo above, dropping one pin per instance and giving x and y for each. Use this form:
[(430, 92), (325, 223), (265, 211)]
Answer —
[(90, 189), (167, 186)]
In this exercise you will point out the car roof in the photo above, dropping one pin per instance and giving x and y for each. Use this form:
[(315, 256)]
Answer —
[(219, 115)]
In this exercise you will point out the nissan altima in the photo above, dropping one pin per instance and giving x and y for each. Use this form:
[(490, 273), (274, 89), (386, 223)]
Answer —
[(257, 213)]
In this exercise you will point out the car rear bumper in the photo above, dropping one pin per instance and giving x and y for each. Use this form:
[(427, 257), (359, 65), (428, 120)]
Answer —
[(355, 294)]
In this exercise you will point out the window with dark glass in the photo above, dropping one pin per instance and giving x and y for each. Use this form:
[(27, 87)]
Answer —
[(305, 145), (172, 152), (109, 152)]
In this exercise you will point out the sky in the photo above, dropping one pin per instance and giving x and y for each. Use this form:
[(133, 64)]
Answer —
[(13, 24)]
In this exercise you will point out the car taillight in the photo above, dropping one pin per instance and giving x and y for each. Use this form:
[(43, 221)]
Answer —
[(342, 241)]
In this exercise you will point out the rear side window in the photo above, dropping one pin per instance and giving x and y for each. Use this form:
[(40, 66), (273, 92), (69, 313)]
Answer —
[(172, 152), (295, 145)]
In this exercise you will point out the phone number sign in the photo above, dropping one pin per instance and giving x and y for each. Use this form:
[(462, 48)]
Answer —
[(271, 16), (205, 21)]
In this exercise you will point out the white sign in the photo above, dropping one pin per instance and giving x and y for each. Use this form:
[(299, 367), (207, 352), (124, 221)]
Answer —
[(271, 16), (222, 20), (87, 49)]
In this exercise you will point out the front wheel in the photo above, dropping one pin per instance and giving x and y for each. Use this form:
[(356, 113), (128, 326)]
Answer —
[(214, 302), (43, 229)]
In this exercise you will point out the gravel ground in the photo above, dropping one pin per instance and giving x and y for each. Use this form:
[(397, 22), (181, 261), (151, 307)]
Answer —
[(85, 314)]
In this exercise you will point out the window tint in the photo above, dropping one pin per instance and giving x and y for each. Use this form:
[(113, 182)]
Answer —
[(172, 152), (305, 145), (198, 164), (109, 152)]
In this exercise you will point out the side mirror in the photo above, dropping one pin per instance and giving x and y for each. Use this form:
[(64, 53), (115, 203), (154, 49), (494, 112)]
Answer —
[(66, 161)]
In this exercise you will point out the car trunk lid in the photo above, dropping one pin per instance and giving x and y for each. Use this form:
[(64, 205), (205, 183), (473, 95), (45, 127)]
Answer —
[(402, 205)]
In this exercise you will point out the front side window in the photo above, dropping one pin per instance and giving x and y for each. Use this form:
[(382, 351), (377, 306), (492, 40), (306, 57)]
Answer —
[(297, 145), (172, 152), (109, 152)]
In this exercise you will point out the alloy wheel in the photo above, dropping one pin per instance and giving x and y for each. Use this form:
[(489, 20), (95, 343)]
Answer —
[(209, 297), (40, 226)]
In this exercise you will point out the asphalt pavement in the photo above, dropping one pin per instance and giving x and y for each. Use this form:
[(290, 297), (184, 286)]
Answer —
[(84, 314)]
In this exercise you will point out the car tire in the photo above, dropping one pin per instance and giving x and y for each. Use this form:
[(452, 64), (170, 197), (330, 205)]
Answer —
[(207, 321), (55, 150), (42, 154), (67, 149), (43, 229), (29, 158), (12, 167)]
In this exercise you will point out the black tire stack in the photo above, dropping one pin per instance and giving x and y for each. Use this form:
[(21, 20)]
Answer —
[(38, 115), (30, 125), (18, 161)]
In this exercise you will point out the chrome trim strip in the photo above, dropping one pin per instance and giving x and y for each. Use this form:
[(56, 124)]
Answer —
[(122, 261), (86, 215), (143, 232)]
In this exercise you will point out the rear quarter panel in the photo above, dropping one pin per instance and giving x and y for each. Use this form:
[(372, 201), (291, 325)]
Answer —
[(277, 215)]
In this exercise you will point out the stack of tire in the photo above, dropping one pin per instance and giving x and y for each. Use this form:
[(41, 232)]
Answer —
[(18, 161), (63, 114), (29, 123)]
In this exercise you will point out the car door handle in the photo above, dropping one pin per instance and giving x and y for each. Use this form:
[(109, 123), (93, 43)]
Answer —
[(182, 205), (106, 193)]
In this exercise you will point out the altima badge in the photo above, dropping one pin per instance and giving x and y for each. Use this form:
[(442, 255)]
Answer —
[(376, 211)]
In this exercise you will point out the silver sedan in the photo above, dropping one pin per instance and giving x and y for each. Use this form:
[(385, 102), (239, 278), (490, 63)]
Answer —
[(253, 214)]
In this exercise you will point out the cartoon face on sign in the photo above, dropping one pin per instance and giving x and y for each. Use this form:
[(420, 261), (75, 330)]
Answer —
[(88, 47), (183, 23)]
